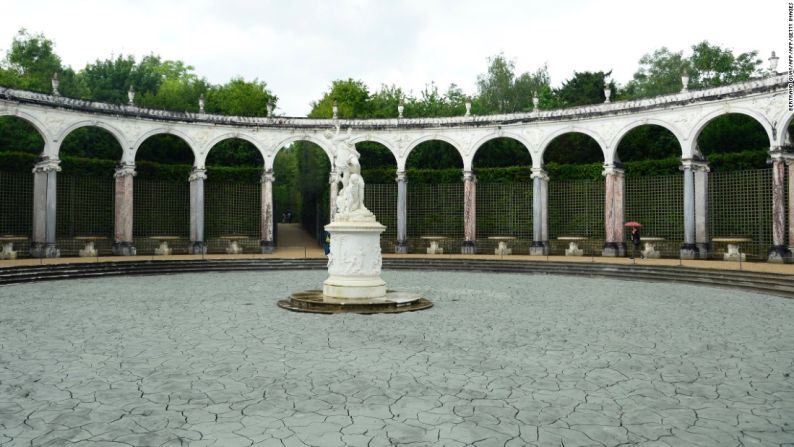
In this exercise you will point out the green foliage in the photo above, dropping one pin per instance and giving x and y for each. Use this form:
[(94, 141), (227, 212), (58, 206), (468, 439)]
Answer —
[(648, 142), (573, 148), (18, 135), (434, 154), (501, 91), (234, 152), (708, 66), (239, 97), (584, 88), (733, 132), (502, 152), (165, 148), (31, 63), (91, 142)]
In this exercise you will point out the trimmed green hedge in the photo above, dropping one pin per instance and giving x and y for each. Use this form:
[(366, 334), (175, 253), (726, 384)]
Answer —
[(736, 161)]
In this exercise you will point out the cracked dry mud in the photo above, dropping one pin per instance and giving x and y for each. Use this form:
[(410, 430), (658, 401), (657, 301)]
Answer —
[(501, 360)]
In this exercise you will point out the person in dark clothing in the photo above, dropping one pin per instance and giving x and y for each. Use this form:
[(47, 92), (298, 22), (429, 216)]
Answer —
[(635, 240)]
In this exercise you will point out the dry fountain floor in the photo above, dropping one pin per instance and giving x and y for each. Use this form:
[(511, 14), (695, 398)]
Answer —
[(502, 359)]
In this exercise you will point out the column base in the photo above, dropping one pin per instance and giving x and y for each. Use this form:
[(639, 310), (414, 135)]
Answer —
[(267, 247), (468, 248), (124, 249), (44, 250), (401, 247), (704, 249), (614, 249), (197, 248), (779, 254), (689, 251), (539, 248)]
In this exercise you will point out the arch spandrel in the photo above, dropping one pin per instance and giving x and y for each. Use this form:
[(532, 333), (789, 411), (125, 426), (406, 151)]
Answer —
[(782, 123)]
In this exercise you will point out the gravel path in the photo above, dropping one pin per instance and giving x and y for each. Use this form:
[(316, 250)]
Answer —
[(501, 360)]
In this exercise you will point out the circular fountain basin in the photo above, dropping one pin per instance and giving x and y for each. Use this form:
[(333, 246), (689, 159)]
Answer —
[(393, 302)]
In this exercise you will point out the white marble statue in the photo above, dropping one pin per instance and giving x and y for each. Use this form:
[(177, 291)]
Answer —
[(350, 199)]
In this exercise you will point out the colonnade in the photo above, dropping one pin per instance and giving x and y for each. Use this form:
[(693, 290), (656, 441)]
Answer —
[(696, 239)]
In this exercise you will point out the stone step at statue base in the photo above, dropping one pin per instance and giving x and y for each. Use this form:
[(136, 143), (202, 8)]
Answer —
[(313, 301)]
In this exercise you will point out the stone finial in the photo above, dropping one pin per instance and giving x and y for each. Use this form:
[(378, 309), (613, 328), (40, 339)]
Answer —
[(201, 103), (131, 95), (684, 83), (55, 83), (270, 109), (335, 109), (773, 60), (468, 107), (535, 101), (400, 109), (607, 93)]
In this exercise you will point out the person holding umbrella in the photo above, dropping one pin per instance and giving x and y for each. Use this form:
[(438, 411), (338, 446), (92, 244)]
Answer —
[(635, 237)]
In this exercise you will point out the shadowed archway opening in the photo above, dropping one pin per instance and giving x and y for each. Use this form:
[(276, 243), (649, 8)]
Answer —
[(379, 169), (232, 196), (504, 194), (740, 182), (573, 162), (301, 194), (653, 188), (21, 144), (435, 195), (85, 197), (161, 201)]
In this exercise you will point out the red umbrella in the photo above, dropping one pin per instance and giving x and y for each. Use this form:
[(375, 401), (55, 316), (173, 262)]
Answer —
[(632, 224)]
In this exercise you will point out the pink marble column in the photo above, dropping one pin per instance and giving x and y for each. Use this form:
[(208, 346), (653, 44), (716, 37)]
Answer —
[(266, 214), (614, 243), (779, 251), (789, 162), (122, 234), (469, 213)]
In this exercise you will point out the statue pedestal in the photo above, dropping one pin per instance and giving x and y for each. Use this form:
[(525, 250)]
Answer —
[(355, 260)]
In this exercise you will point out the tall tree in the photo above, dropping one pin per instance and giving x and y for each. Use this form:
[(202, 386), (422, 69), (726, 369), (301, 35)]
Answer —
[(31, 63), (585, 87), (501, 91)]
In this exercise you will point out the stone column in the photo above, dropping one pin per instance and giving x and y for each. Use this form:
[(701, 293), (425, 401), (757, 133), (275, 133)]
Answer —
[(469, 213), (540, 235), (44, 201), (779, 251), (789, 162), (702, 239), (402, 213), (197, 245), (614, 218), (333, 180), (266, 215), (122, 234), (689, 249)]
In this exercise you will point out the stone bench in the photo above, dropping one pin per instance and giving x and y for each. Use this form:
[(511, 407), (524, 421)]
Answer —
[(434, 249), (573, 245)]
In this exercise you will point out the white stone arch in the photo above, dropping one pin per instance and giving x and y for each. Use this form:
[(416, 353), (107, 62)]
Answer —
[(230, 136), (377, 139), (167, 131), (670, 127), (40, 127), (570, 129), (705, 120), (782, 128), (293, 139), (117, 134), (500, 134), (401, 162)]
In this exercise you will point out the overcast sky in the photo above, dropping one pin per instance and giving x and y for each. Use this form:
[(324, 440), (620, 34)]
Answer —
[(299, 47)]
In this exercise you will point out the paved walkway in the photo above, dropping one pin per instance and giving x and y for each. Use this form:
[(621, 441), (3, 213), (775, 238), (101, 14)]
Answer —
[(500, 360)]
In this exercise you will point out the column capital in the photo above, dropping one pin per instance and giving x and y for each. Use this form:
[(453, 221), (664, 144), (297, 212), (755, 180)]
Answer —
[(613, 169), (47, 164), (694, 165), (197, 174), (402, 176), (539, 173), (267, 177), (124, 170), (333, 177), (468, 176)]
